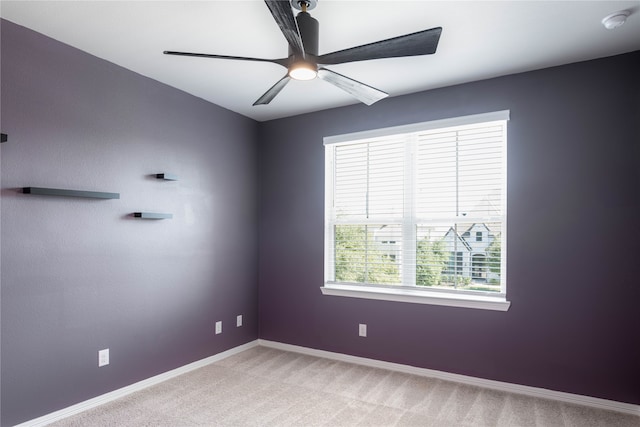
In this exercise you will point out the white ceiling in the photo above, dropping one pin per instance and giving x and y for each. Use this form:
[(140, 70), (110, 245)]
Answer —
[(480, 39)]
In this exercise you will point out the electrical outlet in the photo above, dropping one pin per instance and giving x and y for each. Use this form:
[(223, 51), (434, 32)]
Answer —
[(219, 327), (239, 320), (362, 330), (103, 357)]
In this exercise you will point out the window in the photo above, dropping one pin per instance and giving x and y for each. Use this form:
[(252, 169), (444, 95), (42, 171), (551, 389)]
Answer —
[(454, 264), (402, 204)]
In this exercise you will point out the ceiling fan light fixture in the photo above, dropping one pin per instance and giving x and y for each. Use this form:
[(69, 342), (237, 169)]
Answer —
[(303, 71)]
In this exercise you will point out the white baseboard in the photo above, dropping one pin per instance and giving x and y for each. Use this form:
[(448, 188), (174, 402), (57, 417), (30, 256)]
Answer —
[(116, 394), (593, 402), (577, 399)]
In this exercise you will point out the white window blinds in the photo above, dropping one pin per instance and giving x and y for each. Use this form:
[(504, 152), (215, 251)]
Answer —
[(420, 206), (369, 180)]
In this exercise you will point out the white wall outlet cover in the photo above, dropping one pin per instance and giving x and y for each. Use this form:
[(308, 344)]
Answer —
[(103, 357), (219, 327), (239, 320), (362, 330)]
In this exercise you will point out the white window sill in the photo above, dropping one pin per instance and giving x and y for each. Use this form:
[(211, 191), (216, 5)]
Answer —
[(418, 296)]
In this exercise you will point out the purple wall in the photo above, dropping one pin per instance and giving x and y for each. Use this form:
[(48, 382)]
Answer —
[(573, 203), (79, 275)]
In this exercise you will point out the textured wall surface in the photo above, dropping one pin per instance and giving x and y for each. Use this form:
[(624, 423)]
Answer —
[(573, 233), (80, 275)]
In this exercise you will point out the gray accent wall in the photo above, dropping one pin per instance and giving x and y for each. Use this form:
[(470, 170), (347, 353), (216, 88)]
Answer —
[(80, 275), (573, 234)]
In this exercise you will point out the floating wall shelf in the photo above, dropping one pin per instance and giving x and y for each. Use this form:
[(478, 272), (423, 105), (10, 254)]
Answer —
[(70, 193), (152, 215), (4, 137), (167, 176)]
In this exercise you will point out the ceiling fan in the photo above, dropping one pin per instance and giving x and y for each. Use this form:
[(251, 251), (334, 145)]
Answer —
[(304, 63)]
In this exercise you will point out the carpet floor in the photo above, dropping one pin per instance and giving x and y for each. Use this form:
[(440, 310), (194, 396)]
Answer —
[(268, 387)]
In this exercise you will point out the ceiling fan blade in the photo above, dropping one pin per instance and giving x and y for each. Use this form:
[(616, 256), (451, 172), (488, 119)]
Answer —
[(363, 92), (283, 15), (283, 61), (414, 44), (273, 91)]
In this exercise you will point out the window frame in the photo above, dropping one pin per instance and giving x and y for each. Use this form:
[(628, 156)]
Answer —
[(412, 294)]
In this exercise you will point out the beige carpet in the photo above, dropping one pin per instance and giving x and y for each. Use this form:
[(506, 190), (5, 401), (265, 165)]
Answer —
[(267, 387)]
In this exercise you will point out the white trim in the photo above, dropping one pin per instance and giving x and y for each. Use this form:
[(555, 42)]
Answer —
[(407, 136), (416, 127), (124, 391), (594, 402), (419, 296)]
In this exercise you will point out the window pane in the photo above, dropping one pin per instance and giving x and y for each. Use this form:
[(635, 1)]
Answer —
[(369, 179), (436, 174), (459, 172), (432, 258), (350, 194), (480, 171), (450, 256), (368, 253), (386, 180)]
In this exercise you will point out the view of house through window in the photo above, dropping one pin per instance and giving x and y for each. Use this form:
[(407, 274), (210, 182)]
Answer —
[(423, 208)]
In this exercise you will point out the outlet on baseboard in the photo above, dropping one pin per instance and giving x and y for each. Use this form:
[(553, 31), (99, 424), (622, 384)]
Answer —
[(239, 320), (362, 330), (103, 357), (219, 327)]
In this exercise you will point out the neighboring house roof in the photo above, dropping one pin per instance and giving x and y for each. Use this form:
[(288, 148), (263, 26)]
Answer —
[(467, 233), (452, 232)]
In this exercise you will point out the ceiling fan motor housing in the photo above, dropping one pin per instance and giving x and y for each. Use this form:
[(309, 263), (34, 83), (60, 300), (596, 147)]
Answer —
[(309, 28)]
